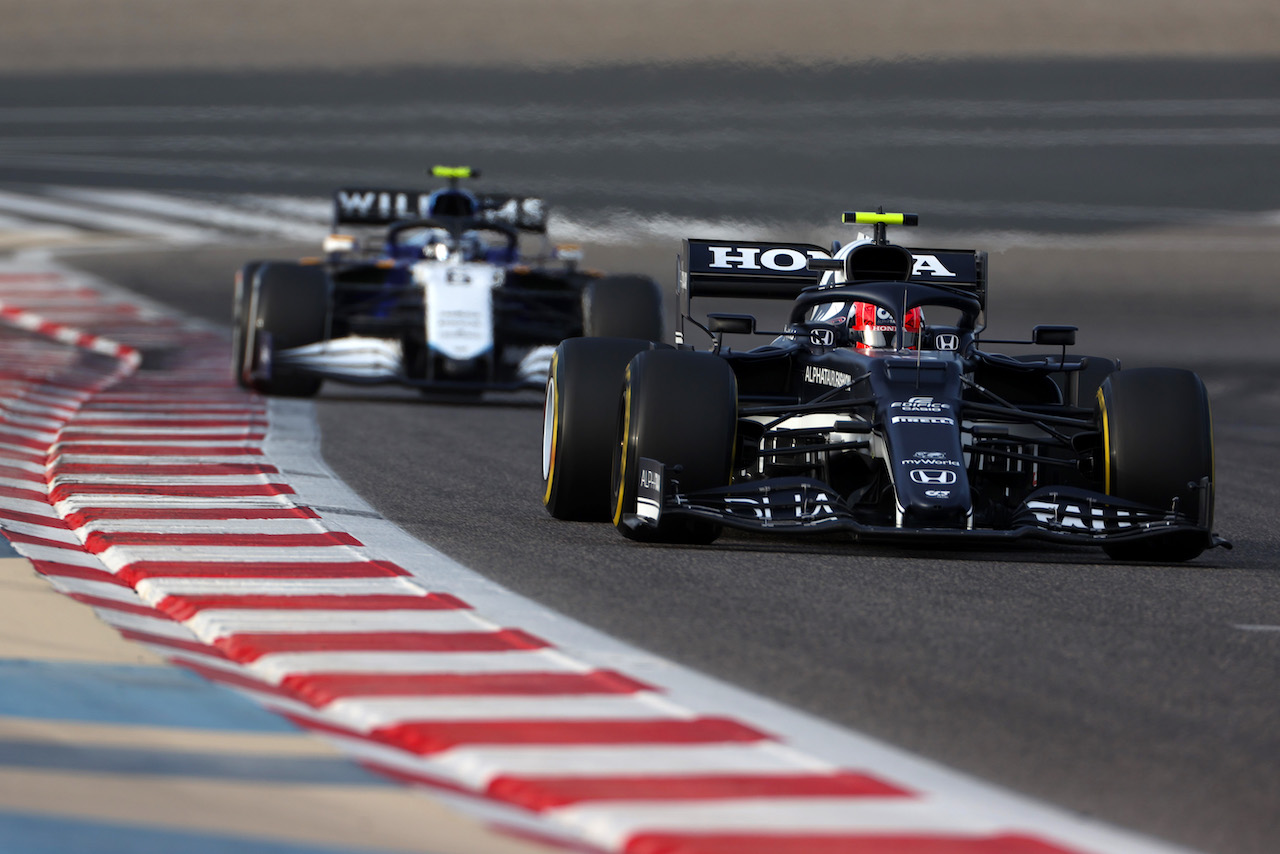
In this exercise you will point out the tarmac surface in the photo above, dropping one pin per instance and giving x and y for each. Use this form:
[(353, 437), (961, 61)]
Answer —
[(1096, 147)]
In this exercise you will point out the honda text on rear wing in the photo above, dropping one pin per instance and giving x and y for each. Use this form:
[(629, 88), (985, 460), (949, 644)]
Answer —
[(748, 269)]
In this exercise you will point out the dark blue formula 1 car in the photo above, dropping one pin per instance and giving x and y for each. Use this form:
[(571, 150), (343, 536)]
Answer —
[(878, 411), (427, 289)]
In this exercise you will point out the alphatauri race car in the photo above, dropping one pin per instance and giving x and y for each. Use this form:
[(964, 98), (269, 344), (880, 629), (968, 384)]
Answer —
[(876, 411), (427, 289)]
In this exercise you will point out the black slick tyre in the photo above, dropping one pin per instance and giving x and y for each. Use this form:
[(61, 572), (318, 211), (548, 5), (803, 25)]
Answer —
[(622, 307), (1158, 450), (240, 334), (681, 409), (289, 308), (579, 424)]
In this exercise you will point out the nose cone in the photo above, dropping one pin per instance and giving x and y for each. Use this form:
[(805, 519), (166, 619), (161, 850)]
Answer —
[(938, 508)]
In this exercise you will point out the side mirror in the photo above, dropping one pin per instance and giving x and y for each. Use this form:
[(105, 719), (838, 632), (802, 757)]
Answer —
[(739, 324), (1054, 336), (824, 264)]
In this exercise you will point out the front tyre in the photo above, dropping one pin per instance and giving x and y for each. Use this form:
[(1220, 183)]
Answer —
[(289, 308), (241, 334), (1158, 446), (579, 424), (681, 409)]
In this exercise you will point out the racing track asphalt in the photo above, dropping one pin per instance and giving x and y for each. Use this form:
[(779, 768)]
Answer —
[(1125, 691)]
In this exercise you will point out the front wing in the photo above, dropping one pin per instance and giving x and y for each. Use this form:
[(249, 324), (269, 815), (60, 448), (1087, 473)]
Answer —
[(375, 361), (799, 505)]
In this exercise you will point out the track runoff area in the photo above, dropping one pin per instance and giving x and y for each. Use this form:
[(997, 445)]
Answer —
[(199, 521)]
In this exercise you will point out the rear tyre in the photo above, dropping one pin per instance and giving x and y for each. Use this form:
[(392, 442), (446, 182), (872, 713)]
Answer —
[(240, 334), (622, 307), (681, 409), (1158, 448), (289, 308), (580, 425)]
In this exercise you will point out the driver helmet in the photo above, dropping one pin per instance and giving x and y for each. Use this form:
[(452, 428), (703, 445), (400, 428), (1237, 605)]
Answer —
[(874, 328), (452, 203), (441, 245), (869, 327)]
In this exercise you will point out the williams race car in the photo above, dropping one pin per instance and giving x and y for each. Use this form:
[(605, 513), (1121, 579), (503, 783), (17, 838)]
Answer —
[(435, 293), (875, 411)]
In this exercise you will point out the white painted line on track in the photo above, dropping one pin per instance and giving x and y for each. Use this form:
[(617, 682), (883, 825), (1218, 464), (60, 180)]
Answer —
[(44, 532), (79, 214), (158, 625), (276, 667), (215, 623), (479, 765), (373, 712), (197, 526), (170, 209), (118, 558), (71, 557), (615, 821), (155, 588), (73, 504), (141, 477), (98, 589)]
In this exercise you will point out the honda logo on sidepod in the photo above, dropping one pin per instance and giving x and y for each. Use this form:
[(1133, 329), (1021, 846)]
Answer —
[(933, 477)]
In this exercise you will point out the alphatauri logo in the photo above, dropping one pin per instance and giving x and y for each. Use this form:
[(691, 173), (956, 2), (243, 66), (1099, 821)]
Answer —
[(826, 376)]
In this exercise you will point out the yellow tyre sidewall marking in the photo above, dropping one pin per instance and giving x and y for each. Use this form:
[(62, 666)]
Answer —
[(626, 443), (1106, 444), (552, 400)]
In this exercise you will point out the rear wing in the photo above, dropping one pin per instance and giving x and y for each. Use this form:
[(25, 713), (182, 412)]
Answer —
[(748, 269), (371, 206)]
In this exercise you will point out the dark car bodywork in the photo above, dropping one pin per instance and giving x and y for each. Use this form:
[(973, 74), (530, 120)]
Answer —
[(941, 441)]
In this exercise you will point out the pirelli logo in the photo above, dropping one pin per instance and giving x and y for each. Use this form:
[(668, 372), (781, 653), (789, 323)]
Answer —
[(921, 419)]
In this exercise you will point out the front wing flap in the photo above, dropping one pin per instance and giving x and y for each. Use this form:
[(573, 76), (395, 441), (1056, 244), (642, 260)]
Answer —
[(799, 505), (362, 360)]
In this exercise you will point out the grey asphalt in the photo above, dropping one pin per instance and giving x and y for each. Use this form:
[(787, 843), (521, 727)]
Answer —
[(1127, 692), (1055, 145)]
